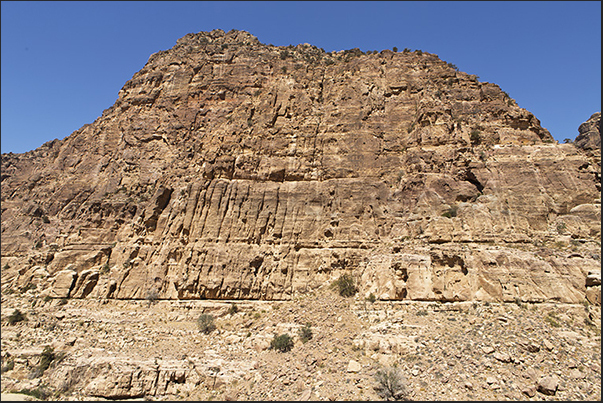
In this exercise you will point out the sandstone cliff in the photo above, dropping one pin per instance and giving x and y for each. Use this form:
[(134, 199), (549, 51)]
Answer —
[(589, 137), (232, 169)]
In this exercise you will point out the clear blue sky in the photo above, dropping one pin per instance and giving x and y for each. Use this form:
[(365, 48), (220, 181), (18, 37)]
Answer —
[(63, 63)]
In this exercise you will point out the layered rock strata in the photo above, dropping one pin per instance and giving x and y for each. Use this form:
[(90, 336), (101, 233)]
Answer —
[(231, 169)]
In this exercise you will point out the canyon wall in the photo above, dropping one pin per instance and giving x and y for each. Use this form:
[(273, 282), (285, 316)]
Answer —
[(232, 169)]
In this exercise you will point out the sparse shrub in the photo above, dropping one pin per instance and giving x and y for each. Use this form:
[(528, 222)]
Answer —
[(305, 333), (152, 296), (282, 343), (10, 364), (561, 227), (411, 127), (348, 54), (345, 285), (284, 54), (400, 175), (47, 298), (233, 309), (390, 384), (39, 393), (63, 301), (592, 326), (206, 324), (395, 49), (371, 298), (421, 313), (16, 316), (29, 286), (46, 359), (104, 269), (475, 137), (451, 212), (256, 315), (552, 320)]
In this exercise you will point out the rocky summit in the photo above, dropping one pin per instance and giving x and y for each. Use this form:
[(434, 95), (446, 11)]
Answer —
[(231, 170)]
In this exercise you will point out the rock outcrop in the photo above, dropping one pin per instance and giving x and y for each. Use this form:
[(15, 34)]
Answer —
[(589, 137), (231, 169)]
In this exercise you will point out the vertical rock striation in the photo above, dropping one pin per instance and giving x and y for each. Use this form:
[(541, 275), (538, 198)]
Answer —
[(232, 169)]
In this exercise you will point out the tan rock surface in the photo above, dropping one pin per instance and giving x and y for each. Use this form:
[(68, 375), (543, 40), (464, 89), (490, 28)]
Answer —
[(589, 137), (16, 397), (111, 349), (231, 169)]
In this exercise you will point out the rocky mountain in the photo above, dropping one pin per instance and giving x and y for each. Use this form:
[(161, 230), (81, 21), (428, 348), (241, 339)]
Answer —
[(232, 169), (238, 181)]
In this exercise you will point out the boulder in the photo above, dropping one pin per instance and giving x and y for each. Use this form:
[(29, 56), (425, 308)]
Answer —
[(62, 283), (548, 385), (354, 366)]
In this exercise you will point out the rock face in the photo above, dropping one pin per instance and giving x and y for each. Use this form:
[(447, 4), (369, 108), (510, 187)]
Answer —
[(231, 169), (589, 137)]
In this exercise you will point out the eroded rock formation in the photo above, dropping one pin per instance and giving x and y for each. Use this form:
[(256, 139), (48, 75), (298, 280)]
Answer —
[(589, 137), (232, 169)]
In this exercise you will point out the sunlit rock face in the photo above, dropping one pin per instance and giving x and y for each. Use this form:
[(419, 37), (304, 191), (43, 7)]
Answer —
[(589, 137), (232, 169)]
